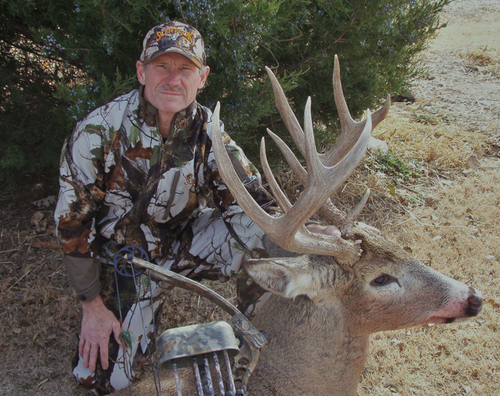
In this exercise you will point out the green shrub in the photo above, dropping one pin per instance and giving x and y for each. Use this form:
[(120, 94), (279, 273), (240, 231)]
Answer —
[(399, 167), (60, 59)]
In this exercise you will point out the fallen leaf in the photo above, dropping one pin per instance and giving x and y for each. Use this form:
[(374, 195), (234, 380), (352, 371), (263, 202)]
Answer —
[(48, 244), (47, 201), (473, 163), (38, 221)]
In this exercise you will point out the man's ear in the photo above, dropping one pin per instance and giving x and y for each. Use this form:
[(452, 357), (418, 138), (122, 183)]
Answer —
[(140, 72), (205, 71)]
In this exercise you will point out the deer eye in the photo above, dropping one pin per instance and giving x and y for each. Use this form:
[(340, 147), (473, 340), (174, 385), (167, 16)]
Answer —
[(382, 280)]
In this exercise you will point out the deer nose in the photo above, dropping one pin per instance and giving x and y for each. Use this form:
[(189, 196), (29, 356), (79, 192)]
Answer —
[(475, 301)]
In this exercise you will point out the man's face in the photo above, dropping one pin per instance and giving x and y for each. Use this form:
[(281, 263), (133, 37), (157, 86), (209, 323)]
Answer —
[(171, 83)]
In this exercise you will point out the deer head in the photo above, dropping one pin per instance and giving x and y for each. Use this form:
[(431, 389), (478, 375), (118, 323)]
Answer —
[(321, 313)]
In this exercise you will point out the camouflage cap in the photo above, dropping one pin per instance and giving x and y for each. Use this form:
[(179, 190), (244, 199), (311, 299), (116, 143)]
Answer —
[(176, 37)]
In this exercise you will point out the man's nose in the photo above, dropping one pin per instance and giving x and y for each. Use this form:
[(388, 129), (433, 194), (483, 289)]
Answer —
[(171, 77)]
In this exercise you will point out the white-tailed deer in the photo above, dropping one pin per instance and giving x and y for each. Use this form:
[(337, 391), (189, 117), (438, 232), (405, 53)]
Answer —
[(329, 298)]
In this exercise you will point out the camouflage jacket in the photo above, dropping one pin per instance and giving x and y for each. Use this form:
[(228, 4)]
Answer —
[(122, 184)]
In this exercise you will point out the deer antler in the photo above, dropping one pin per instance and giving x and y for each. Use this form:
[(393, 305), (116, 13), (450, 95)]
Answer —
[(326, 172), (350, 130)]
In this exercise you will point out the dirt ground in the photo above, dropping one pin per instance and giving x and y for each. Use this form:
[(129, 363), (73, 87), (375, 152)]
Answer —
[(449, 218)]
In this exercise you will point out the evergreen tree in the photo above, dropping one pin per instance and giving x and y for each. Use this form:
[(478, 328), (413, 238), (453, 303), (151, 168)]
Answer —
[(62, 58)]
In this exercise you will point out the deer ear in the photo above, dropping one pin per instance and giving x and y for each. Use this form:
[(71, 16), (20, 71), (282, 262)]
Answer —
[(287, 277)]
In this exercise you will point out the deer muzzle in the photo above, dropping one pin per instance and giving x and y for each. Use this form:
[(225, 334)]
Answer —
[(475, 302)]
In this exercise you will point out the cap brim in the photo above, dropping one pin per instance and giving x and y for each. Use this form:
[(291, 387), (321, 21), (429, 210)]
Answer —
[(179, 51)]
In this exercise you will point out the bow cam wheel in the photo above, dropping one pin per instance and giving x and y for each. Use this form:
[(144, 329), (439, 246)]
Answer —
[(123, 261)]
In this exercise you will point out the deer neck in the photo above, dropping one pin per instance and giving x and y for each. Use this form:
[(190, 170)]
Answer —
[(304, 337)]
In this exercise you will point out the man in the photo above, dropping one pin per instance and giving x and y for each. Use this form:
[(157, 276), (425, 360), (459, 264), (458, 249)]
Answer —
[(136, 171)]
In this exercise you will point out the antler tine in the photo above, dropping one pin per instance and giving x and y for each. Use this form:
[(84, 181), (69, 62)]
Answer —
[(278, 194), (351, 217), (350, 129), (381, 113), (287, 114), (290, 158), (230, 177)]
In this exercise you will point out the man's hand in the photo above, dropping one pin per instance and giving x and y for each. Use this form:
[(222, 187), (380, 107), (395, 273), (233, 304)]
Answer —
[(97, 324), (321, 229)]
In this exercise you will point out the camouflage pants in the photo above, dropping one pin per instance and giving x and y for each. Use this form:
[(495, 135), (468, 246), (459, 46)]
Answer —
[(204, 248)]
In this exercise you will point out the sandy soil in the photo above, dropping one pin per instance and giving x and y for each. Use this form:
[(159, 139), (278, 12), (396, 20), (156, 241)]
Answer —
[(455, 233), (457, 85)]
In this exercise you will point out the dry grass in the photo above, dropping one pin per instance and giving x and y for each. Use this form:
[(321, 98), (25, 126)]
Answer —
[(482, 60), (429, 138), (39, 313), (459, 237), (421, 155)]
